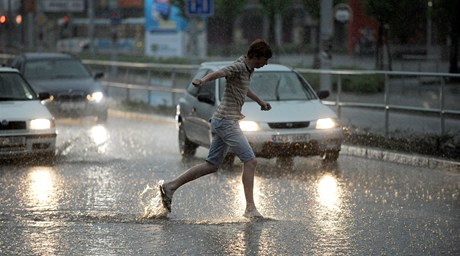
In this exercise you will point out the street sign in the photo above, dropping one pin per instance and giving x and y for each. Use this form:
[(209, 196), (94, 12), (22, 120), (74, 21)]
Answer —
[(201, 8)]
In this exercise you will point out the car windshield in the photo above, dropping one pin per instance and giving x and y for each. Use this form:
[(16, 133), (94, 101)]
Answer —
[(278, 86), (13, 87), (55, 68)]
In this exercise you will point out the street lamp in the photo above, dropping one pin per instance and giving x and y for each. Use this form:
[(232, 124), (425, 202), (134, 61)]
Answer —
[(428, 27)]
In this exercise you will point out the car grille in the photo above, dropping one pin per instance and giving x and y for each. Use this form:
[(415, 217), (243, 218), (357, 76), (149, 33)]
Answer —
[(14, 125), (74, 96), (289, 125)]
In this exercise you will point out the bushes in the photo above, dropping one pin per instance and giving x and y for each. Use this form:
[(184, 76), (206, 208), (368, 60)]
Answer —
[(362, 84)]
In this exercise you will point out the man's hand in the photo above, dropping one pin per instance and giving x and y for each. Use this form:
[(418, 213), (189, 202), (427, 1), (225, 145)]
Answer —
[(197, 82), (265, 106)]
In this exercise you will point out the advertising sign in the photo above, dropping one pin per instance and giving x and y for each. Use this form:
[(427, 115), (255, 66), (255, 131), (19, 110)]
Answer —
[(61, 5), (164, 29)]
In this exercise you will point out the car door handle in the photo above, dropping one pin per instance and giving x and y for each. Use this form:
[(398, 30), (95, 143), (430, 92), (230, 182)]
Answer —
[(193, 110)]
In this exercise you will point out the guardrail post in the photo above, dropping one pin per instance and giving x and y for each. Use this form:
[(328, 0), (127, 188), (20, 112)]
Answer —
[(337, 99), (173, 82), (441, 107), (149, 95), (149, 76), (149, 80), (387, 107)]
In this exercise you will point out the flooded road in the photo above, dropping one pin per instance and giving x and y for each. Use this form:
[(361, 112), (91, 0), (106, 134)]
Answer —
[(92, 202)]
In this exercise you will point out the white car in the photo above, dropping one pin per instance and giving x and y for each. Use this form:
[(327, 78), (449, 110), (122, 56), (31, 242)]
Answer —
[(27, 128), (297, 125)]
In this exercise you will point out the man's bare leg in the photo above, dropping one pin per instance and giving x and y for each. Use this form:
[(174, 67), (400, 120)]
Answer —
[(249, 169), (191, 174)]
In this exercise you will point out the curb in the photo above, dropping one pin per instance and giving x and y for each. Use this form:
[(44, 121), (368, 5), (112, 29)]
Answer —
[(402, 158), (369, 153)]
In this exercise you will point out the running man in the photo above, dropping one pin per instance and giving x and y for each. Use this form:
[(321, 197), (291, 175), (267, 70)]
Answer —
[(226, 133)]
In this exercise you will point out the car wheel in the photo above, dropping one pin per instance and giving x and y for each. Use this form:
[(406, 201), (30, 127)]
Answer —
[(330, 156), (186, 147)]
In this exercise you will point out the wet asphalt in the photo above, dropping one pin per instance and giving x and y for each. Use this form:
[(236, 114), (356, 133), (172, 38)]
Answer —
[(95, 199)]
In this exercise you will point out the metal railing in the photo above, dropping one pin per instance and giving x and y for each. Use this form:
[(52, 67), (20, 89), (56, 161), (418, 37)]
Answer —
[(123, 79), (441, 78), (141, 82)]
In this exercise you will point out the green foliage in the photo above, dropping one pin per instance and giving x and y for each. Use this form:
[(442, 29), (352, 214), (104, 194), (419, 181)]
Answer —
[(403, 18), (362, 84), (272, 7), (313, 6)]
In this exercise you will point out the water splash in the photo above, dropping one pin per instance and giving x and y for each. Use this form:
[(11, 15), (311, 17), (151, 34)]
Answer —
[(150, 201)]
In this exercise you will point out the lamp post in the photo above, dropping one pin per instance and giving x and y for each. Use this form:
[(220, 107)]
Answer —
[(325, 43), (90, 10), (428, 27)]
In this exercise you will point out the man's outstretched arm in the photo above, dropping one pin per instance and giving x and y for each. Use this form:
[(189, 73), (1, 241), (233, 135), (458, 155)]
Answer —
[(263, 104), (209, 77)]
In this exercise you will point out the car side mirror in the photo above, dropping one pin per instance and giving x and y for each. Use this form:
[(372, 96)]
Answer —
[(323, 94), (43, 95), (98, 75), (206, 98)]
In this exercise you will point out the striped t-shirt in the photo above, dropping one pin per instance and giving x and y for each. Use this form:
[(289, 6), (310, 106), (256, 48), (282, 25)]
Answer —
[(238, 76)]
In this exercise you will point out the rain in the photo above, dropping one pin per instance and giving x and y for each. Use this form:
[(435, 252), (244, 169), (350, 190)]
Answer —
[(393, 190)]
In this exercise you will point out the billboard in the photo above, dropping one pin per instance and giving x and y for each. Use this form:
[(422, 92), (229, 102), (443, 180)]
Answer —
[(61, 5), (164, 29)]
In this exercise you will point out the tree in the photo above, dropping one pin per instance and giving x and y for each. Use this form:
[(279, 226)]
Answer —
[(225, 15), (399, 20), (272, 8)]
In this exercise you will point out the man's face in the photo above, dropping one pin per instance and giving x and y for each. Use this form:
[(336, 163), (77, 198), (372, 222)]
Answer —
[(260, 62)]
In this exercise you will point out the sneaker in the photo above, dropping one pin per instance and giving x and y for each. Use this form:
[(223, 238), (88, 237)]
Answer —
[(165, 200)]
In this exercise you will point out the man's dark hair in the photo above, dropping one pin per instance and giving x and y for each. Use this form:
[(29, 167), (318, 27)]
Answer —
[(259, 48)]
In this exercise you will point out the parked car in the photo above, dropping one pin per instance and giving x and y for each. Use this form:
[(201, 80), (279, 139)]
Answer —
[(75, 92), (26, 125), (297, 125)]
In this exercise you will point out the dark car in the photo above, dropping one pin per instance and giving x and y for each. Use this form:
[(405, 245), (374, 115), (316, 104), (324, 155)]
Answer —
[(75, 91)]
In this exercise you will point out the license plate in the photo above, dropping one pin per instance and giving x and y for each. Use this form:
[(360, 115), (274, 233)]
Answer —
[(289, 138), (12, 141), (72, 106)]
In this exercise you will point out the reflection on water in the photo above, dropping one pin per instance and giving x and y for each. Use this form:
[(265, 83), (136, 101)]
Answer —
[(41, 196), (330, 217), (249, 240), (103, 191), (99, 136), (41, 192), (239, 200), (328, 192)]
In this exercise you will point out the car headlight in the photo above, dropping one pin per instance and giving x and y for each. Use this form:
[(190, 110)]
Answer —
[(249, 126), (41, 124), (95, 96), (326, 123)]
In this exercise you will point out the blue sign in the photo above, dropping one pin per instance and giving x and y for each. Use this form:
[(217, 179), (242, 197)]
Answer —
[(200, 7), (162, 15)]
